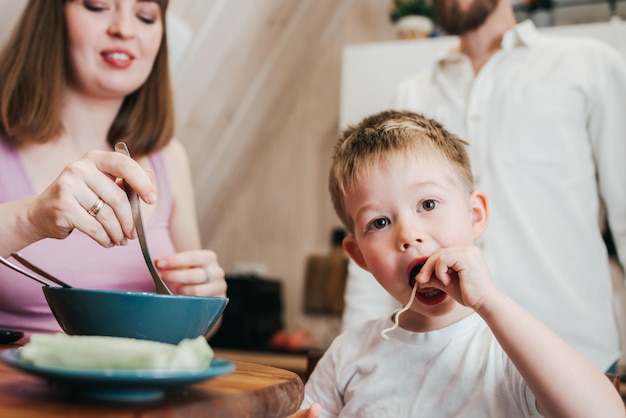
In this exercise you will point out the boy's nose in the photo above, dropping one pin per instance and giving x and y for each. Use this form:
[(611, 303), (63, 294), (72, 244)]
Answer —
[(406, 245), (408, 235)]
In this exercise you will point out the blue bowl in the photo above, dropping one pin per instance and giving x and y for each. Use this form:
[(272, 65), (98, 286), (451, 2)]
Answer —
[(146, 316)]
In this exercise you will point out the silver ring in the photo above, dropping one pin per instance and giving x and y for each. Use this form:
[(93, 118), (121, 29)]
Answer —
[(95, 209), (207, 273)]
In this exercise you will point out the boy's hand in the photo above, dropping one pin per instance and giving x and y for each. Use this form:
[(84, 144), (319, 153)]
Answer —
[(461, 272), (313, 411)]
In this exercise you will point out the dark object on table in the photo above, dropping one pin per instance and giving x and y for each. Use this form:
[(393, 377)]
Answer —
[(253, 315), (10, 336)]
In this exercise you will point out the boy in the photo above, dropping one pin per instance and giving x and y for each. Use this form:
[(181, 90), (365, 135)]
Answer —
[(402, 185)]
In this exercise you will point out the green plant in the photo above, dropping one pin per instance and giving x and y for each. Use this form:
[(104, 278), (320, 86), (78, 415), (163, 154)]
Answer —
[(401, 8)]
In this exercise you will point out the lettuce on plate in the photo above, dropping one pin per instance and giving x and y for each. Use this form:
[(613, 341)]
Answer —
[(82, 352)]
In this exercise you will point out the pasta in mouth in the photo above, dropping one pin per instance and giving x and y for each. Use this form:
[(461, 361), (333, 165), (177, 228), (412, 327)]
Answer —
[(406, 307), (414, 272)]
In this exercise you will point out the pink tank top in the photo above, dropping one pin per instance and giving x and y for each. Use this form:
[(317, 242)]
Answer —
[(78, 259)]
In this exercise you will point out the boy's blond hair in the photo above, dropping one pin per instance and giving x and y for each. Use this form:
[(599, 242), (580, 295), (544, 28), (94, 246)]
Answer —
[(387, 133)]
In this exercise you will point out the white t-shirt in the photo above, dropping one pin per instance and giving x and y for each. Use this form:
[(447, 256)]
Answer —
[(545, 119), (457, 371)]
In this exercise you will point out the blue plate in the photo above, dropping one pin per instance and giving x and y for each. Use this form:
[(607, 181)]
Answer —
[(118, 385)]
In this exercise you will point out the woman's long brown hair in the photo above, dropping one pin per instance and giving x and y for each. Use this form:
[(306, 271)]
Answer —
[(33, 74)]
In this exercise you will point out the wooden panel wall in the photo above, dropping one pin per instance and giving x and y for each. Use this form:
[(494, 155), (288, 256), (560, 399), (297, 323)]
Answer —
[(270, 205)]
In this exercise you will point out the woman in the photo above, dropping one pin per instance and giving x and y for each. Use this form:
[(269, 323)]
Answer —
[(77, 77)]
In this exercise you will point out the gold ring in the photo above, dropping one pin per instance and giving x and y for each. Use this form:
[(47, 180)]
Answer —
[(95, 209)]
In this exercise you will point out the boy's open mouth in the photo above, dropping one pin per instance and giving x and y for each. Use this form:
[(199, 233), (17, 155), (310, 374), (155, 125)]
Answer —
[(414, 272), (428, 296)]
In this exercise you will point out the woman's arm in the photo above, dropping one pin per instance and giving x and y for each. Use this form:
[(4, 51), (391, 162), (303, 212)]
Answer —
[(14, 227)]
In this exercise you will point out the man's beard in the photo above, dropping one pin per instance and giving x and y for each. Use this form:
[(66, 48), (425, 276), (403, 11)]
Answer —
[(458, 22)]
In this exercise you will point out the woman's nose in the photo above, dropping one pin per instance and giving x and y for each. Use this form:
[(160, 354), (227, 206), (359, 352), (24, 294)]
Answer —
[(122, 24)]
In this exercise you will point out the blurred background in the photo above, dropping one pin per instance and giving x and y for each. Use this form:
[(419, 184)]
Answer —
[(258, 90)]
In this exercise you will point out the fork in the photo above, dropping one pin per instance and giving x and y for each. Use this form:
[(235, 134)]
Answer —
[(161, 288)]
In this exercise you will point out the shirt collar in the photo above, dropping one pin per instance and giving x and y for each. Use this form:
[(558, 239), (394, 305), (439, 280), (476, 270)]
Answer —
[(522, 34)]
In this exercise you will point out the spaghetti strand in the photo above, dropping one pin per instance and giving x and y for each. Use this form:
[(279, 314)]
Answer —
[(396, 319)]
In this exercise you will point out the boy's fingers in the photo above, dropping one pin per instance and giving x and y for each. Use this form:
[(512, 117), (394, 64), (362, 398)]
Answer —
[(315, 411)]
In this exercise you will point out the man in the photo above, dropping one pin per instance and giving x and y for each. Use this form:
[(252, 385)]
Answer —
[(545, 121)]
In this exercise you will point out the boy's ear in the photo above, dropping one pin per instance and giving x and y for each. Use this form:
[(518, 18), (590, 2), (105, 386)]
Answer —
[(352, 248), (480, 212)]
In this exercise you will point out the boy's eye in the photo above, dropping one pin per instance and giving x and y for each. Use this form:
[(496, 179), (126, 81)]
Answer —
[(379, 223), (428, 205)]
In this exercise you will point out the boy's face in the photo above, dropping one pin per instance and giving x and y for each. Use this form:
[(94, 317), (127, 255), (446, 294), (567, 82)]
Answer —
[(405, 210)]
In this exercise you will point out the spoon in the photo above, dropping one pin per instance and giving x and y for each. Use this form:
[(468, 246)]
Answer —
[(161, 288), (26, 273)]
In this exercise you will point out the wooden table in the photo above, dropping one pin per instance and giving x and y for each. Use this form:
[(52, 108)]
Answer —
[(296, 363), (252, 390)]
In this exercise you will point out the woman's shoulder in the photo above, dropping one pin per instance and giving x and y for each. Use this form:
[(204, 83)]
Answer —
[(175, 158), (174, 153)]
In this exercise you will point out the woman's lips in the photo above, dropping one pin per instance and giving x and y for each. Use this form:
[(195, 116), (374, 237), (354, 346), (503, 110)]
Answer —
[(117, 58)]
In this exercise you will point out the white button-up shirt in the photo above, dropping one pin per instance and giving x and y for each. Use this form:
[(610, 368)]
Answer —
[(546, 121)]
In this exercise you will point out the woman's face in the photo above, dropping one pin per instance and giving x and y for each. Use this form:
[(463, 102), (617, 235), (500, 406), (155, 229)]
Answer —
[(112, 45)]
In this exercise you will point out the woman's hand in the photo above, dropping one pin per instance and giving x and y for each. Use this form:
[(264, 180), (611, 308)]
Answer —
[(195, 273), (87, 197)]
